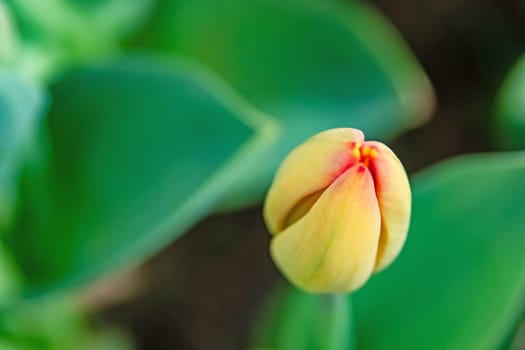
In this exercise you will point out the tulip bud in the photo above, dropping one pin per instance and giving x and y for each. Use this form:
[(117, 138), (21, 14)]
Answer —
[(338, 210)]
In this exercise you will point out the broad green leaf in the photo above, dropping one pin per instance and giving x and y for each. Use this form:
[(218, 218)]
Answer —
[(511, 108), (459, 283), (314, 65), (141, 150), (295, 320)]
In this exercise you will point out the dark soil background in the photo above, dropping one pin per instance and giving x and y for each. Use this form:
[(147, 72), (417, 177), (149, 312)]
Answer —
[(204, 290)]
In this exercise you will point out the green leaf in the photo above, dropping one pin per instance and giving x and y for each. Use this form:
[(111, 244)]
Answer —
[(10, 277), (21, 108), (54, 324), (80, 24), (459, 283), (142, 149), (511, 108), (59, 33), (295, 320), (313, 65), (7, 36)]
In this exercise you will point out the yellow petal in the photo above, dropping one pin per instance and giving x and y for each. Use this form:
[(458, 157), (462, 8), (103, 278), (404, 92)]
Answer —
[(333, 247), (308, 169), (393, 193)]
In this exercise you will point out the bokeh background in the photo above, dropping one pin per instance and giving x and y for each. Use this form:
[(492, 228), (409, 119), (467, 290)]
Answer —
[(206, 289)]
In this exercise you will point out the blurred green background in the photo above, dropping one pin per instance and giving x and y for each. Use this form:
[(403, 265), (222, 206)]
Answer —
[(138, 138)]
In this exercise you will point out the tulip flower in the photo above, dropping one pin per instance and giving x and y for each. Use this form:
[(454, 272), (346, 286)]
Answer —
[(338, 210)]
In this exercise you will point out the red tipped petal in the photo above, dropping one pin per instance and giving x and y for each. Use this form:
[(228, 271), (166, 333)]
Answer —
[(393, 194), (308, 169)]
